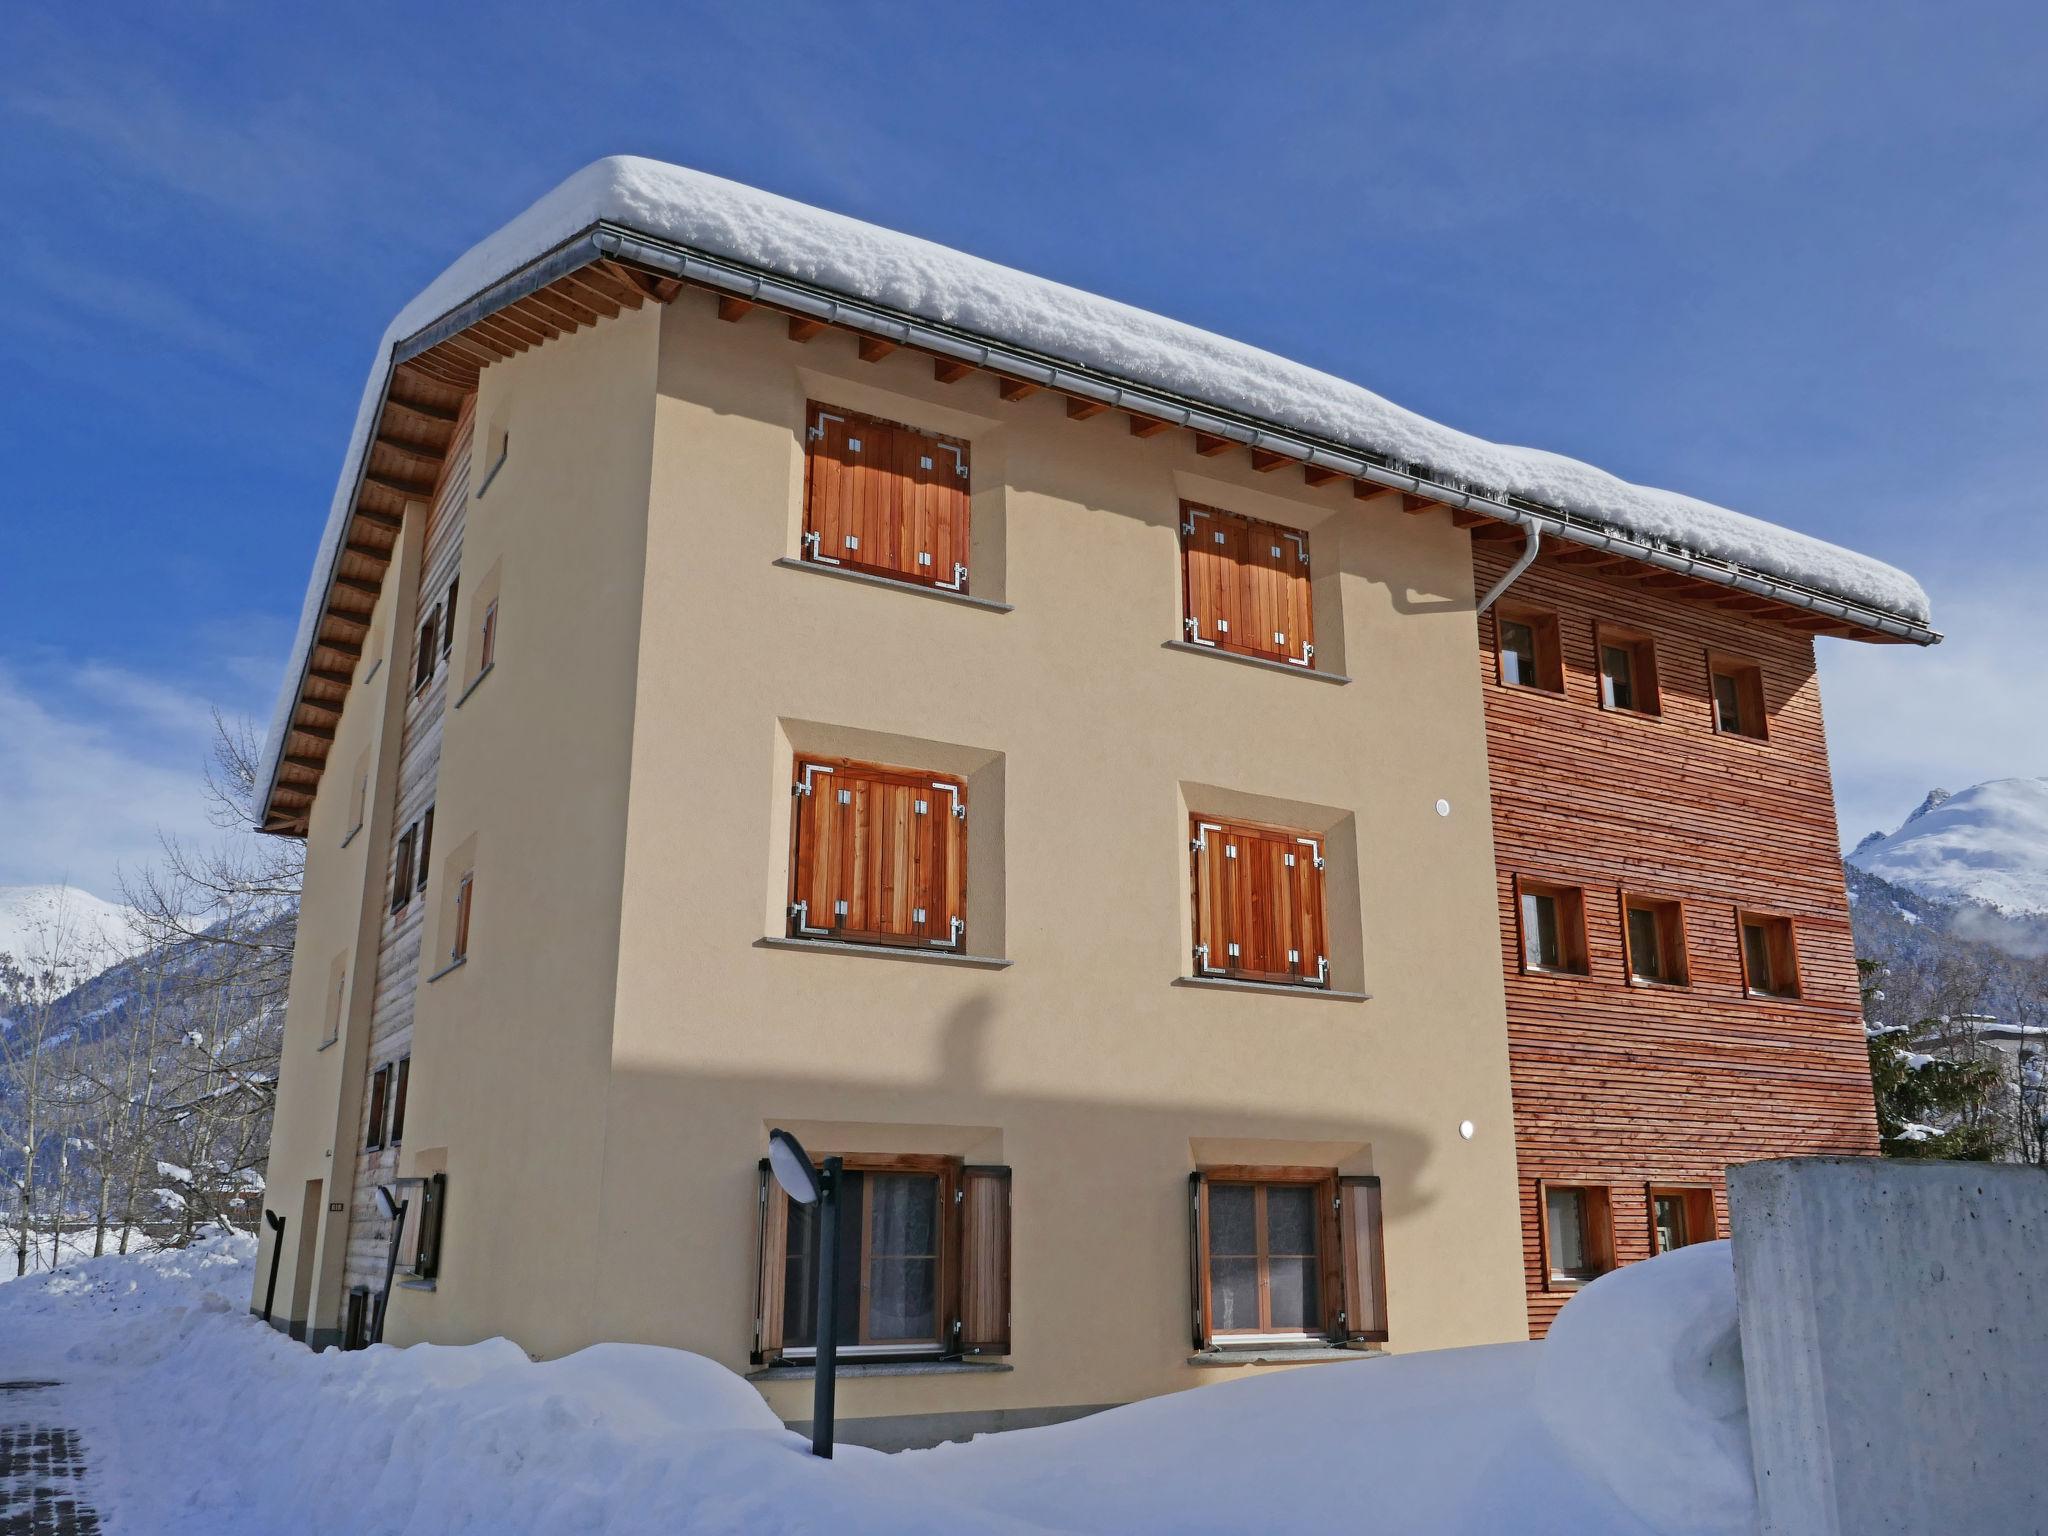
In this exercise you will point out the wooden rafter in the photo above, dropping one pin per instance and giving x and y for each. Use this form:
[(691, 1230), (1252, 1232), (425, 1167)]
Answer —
[(731, 308), (1016, 389), (1366, 490), (801, 329), (1416, 504), (1265, 461), (1315, 475), (874, 348), (1148, 426), (1082, 410), (950, 370), (1208, 444)]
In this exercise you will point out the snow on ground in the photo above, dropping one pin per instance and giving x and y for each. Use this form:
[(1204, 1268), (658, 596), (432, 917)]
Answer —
[(931, 282), (197, 1418), (1989, 843)]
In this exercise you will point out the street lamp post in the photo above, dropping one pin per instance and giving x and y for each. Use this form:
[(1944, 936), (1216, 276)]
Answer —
[(807, 1184), (276, 1224)]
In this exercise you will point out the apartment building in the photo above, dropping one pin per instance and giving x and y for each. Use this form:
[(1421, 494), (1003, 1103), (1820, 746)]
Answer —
[(766, 671)]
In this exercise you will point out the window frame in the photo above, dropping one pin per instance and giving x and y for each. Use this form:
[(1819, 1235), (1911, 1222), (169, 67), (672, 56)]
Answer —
[(1573, 938), (1669, 912), (487, 638), (428, 659), (1748, 678), (1234, 588), (816, 520), (424, 849), (380, 1103), (1644, 682), (1546, 647), (1596, 1233), (448, 616), (1328, 1258), (1701, 1226), (465, 896), (402, 869), (1781, 935), (400, 1080), (1313, 917)]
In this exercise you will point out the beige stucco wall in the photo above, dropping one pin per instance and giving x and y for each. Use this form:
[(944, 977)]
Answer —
[(1081, 1065), (599, 1078)]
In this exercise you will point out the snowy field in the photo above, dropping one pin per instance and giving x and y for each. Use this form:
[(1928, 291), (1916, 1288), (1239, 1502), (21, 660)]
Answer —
[(195, 1418)]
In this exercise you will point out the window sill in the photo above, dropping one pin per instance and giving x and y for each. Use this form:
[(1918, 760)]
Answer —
[(1573, 1282), (452, 965), (352, 831), (890, 952), (325, 1044), (474, 683), (379, 662), (1270, 988), (1556, 973), (1226, 1359), (1757, 995), (1540, 689), (1654, 985), (417, 1285), (794, 1372), (1656, 716), (916, 588), (1254, 661)]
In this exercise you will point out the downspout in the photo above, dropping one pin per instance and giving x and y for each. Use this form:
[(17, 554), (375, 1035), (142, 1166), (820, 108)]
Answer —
[(1534, 542)]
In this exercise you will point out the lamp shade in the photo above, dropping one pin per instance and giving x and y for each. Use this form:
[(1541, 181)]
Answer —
[(792, 1168)]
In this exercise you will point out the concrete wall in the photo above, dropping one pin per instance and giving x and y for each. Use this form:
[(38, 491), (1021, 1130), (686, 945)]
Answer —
[(1895, 1341), (1086, 741)]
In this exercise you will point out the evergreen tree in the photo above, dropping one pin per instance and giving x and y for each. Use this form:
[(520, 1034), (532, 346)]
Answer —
[(1927, 1107)]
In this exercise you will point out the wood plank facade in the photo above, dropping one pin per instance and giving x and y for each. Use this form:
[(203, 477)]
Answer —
[(1623, 1084)]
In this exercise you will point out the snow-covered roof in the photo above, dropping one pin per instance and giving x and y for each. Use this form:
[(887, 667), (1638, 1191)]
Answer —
[(933, 283)]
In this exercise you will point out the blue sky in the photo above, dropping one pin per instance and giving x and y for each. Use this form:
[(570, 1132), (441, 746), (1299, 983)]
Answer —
[(1785, 257)]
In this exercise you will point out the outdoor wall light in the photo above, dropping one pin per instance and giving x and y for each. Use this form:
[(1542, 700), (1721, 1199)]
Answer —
[(807, 1184)]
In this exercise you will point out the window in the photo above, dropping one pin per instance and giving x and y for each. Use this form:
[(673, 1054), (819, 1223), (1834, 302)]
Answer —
[(448, 617), (1680, 1215), (1653, 933), (401, 877), (886, 499), (400, 1075), (426, 826), (1770, 964), (1577, 1234), (423, 667), (380, 1090), (1286, 1255), (923, 1266), (1527, 648), (1628, 670), (1738, 697), (1258, 896), (487, 640), (419, 1243), (880, 855), (1245, 585), (1552, 919), (465, 901), (355, 1331)]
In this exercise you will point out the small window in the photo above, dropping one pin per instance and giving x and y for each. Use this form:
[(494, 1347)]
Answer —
[(448, 618), (1628, 670), (1770, 965), (880, 855), (402, 873), (922, 1266), (487, 641), (887, 499), (426, 825), (465, 902), (1553, 927), (1259, 903), (1287, 1255), (1654, 933), (1738, 697), (398, 1086), (1577, 1234), (1527, 647), (424, 1251), (1245, 586), (1680, 1216), (423, 667), (380, 1088)]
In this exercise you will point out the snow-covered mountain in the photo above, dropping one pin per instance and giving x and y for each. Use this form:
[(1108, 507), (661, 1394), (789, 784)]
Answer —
[(1987, 844), (39, 923)]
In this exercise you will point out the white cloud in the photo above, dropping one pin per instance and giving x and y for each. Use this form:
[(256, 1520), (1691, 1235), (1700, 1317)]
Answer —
[(94, 761), (1902, 721)]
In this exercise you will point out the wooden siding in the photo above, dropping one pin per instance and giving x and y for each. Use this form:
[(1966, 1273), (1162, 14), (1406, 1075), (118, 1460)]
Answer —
[(1622, 1085), (404, 930)]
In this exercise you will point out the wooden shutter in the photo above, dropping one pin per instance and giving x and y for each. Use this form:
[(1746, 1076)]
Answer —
[(398, 1087), (1259, 909), (401, 875), (1198, 1262), (772, 1262), (1362, 1261), (880, 855), (448, 617), (984, 1260), (885, 498), (433, 1198), (1246, 585)]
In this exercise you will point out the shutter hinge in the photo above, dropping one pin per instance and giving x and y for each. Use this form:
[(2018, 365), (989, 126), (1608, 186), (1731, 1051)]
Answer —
[(959, 1198), (1320, 861), (816, 434), (1307, 651), (1187, 529), (1322, 970), (812, 541), (1192, 625)]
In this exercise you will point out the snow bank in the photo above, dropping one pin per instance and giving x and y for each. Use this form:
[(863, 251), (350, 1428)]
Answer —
[(931, 282), (197, 1418)]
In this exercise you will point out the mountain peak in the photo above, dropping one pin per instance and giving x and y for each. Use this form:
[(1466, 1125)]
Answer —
[(44, 923), (1987, 843)]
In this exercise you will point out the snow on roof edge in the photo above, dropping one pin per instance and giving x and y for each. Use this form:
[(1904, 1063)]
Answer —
[(933, 282)]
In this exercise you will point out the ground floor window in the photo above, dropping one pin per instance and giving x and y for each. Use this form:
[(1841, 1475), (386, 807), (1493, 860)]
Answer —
[(922, 1266), (1680, 1215), (1578, 1240), (1286, 1256)]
